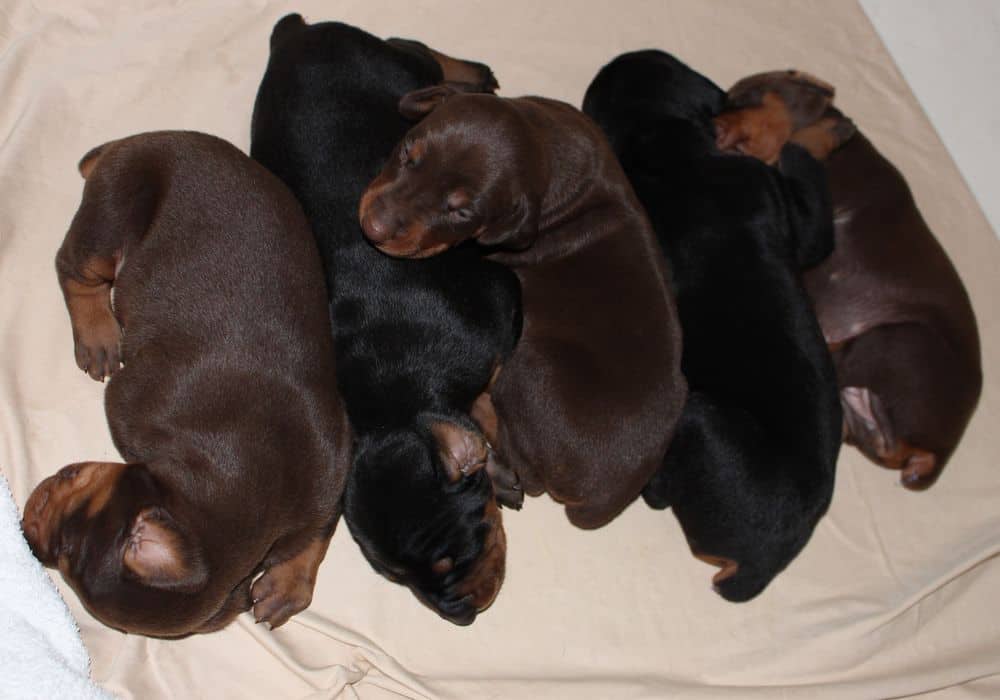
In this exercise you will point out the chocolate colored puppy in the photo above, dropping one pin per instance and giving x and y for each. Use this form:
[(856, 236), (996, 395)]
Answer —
[(892, 307), (218, 311), (588, 401), (751, 468), (416, 344)]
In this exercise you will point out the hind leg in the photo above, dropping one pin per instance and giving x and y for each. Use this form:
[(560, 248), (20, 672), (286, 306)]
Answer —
[(96, 333), (110, 214), (506, 483), (286, 586), (906, 397), (868, 426)]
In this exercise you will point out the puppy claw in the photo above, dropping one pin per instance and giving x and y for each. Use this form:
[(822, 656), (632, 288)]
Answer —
[(279, 594), (97, 345), (506, 483)]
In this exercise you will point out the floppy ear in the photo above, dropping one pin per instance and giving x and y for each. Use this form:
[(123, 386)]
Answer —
[(418, 104), (469, 76), (488, 87), (462, 451), (518, 229), (159, 555), (89, 160)]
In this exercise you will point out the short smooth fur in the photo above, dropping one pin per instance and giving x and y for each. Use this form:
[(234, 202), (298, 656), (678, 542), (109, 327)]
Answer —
[(893, 309), (416, 344), (587, 403), (226, 410), (751, 468)]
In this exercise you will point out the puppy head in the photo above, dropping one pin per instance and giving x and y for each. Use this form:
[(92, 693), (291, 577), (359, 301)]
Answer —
[(108, 529), (763, 110), (461, 173), (422, 508)]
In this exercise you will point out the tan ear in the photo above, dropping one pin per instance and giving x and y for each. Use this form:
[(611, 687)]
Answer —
[(160, 556), (418, 104), (462, 451)]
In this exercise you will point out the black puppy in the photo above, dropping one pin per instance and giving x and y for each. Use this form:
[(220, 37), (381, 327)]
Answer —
[(417, 343), (751, 467)]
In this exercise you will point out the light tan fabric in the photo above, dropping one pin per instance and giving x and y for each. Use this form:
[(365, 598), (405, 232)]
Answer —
[(895, 595)]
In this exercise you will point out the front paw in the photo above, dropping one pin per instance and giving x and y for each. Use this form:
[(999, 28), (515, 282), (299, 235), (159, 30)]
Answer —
[(97, 346), (280, 593), (506, 483)]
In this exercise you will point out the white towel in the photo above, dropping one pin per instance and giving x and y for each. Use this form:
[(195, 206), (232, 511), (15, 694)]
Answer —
[(41, 653)]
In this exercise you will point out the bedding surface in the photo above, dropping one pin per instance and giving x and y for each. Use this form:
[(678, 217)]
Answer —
[(896, 594)]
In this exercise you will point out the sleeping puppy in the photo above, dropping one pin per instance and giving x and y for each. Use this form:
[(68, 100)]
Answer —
[(751, 468), (586, 405), (892, 307), (416, 344), (206, 253)]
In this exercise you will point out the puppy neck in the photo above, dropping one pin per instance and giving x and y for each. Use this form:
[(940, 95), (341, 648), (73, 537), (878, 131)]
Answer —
[(576, 175)]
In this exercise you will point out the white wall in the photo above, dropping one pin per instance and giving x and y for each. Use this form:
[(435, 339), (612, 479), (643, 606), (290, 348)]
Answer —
[(949, 53)]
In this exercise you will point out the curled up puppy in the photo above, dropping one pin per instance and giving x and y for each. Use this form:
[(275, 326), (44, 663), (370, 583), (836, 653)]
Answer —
[(226, 410)]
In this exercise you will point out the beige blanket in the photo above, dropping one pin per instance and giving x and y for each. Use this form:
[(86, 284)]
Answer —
[(896, 594)]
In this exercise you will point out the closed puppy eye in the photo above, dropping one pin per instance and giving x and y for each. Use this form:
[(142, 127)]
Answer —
[(406, 156), (457, 205), (460, 214)]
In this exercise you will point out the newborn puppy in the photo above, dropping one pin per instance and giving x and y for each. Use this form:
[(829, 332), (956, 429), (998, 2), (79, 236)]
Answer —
[(218, 310), (416, 344), (892, 307), (751, 468), (586, 405)]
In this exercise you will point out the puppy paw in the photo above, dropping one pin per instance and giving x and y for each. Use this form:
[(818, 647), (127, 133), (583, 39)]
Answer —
[(280, 593), (286, 588), (506, 483), (97, 345)]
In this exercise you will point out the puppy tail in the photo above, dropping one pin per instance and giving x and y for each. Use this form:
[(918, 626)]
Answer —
[(87, 163), (286, 26)]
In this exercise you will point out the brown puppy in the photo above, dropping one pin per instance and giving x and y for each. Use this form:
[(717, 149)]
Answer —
[(892, 307), (226, 409), (587, 404)]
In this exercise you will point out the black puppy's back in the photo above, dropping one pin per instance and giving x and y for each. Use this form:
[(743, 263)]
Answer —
[(415, 342), (751, 467)]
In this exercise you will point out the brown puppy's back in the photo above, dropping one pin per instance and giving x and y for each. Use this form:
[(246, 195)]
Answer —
[(217, 312), (898, 318), (590, 398), (887, 267)]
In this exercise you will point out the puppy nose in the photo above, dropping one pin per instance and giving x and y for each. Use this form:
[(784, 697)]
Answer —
[(376, 226), (380, 223), (32, 529)]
